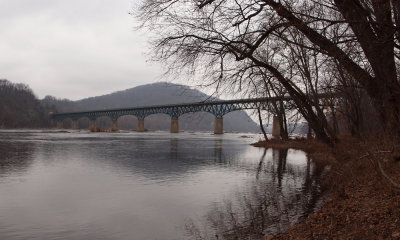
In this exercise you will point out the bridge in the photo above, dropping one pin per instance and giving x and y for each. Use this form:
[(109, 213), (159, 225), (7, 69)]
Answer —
[(217, 108)]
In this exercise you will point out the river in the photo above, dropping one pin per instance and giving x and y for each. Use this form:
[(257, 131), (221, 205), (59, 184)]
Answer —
[(153, 185)]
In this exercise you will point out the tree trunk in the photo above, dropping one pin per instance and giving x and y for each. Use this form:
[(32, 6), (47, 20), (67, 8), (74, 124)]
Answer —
[(261, 124)]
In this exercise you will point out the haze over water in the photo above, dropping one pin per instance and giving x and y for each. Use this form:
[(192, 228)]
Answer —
[(81, 185)]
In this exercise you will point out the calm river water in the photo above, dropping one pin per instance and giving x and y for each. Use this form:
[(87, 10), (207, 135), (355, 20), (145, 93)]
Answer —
[(81, 185)]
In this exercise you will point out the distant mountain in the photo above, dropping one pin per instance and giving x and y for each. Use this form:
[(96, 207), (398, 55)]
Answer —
[(157, 94)]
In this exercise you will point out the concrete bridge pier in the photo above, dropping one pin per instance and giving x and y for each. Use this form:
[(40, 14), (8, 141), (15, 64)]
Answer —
[(74, 124), (114, 125), (60, 124), (92, 125), (276, 127), (140, 125), (218, 125), (174, 125)]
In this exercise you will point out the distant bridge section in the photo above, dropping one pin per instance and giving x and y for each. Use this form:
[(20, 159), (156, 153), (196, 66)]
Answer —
[(217, 108)]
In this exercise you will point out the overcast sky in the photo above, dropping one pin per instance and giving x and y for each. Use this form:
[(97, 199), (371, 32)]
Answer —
[(73, 48)]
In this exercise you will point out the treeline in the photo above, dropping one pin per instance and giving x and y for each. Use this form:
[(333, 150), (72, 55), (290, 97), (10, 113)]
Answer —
[(19, 106), (53, 104)]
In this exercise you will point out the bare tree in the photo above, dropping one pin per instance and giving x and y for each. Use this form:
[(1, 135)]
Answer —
[(214, 38), (19, 106)]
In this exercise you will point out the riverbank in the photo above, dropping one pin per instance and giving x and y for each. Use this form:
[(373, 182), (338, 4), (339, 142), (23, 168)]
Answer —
[(364, 201)]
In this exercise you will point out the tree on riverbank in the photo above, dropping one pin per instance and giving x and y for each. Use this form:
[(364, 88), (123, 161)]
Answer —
[(19, 106), (225, 41)]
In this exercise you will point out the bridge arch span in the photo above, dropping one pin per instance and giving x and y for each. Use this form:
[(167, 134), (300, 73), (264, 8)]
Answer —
[(101, 122), (122, 116), (204, 121), (128, 120), (161, 120), (66, 123), (79, 122), (157, 113), (82, 118)]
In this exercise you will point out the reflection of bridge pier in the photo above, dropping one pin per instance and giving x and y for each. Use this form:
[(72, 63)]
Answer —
[(279, 157), (174, 148), (218, 150)]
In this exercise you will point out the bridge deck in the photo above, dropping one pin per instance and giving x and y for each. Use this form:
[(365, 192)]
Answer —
[(204, 103), (218, 108)]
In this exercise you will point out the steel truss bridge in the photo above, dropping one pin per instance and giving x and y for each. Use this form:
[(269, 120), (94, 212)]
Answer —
[(217, 108)]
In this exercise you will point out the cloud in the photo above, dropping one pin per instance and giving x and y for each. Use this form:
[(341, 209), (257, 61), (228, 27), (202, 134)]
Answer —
[(73, 49)]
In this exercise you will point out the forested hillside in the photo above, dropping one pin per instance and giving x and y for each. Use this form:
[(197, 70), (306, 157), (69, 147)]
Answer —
[(19, 107)]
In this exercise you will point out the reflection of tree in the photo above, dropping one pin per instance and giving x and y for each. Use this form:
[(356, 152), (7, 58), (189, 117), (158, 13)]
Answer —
[(260, 164), (15, 156), (174, 148), (218, 155), (275, 202), (280, 156), (311, 187)]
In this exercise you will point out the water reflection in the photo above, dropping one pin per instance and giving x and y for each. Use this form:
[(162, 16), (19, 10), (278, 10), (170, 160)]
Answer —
[(80, 185), (14, 157), (286, 194)]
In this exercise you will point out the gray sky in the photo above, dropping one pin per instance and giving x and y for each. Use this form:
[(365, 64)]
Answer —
[(73, 48)]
